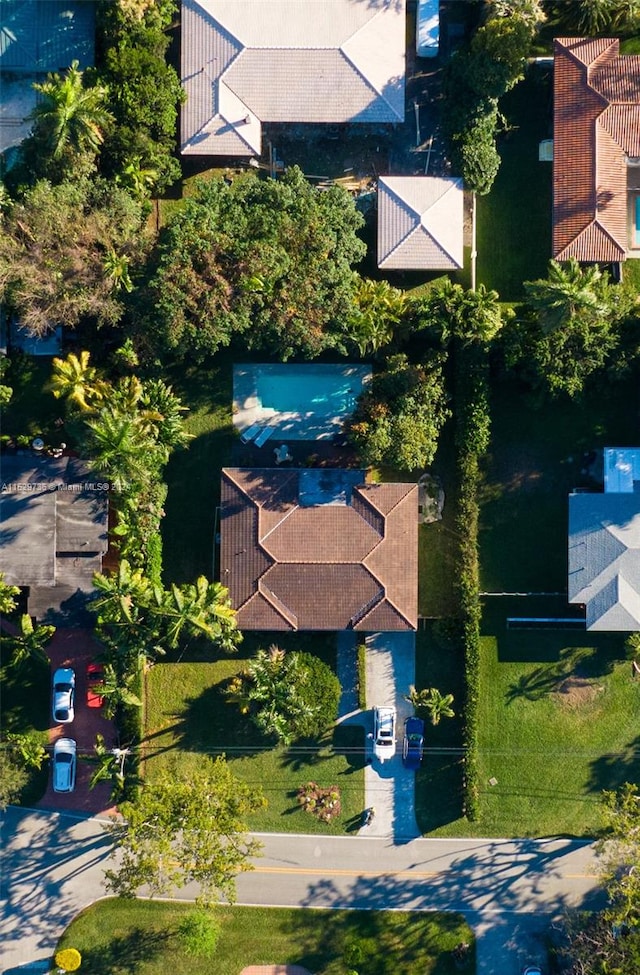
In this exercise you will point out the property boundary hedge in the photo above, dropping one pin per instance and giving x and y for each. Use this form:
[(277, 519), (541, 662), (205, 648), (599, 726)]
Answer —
[(471, 441)]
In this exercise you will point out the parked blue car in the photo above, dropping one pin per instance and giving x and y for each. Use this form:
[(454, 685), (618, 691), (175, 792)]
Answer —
[(413, 742)]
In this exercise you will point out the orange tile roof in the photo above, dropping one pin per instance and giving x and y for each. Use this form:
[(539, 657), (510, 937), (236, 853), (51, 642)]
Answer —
[(291, 566), (596, 126)]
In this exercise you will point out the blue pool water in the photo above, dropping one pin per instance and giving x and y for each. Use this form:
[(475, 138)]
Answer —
[(325, 394), (637, 241)]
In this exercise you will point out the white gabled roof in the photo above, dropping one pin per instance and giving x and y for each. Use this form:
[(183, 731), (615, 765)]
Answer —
[(420, 222), (287, 61)]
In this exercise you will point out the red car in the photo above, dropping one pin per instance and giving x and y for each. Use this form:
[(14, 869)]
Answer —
[(95, 678)]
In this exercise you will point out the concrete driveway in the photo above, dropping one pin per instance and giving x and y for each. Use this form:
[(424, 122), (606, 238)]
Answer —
[(390, 787)]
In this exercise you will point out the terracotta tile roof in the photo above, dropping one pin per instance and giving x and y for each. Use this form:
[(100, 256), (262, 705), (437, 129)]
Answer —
[(596, 127), (345, 564), (245, 62)]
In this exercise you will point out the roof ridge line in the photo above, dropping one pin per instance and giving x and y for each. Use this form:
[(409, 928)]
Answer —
[(287, 514), (364, 78)]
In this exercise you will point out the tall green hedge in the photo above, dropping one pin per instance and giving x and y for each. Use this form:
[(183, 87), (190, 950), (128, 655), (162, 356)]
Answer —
[(471, 441)]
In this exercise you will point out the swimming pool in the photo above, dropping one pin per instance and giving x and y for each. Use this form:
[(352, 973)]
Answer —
[(307, 401), (637, 236), (324, 394)]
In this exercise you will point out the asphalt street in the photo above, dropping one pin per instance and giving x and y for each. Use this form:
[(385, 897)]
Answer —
[(54, 862)]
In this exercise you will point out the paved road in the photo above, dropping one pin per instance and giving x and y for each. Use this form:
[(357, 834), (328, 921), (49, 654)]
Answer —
[(54, 866)]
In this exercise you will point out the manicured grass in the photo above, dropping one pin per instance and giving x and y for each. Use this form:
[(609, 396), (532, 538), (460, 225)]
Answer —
[(25, 695), (536, 458), (438, 793), (436, 541), (187, 715), (118, 937), (514, 219), (558, 723), (193, 474)]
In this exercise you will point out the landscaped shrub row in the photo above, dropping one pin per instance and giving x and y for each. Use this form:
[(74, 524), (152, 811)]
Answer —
[(362, 676), (472, 441)]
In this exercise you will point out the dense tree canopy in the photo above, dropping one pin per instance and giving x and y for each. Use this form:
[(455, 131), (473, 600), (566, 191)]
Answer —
[(53, 246), (452, 314), (263, 259), (144, 96), (572, 326), (608, 942), (398, 420), (474, 81), (69, 123), (287, 695), (185, 827)]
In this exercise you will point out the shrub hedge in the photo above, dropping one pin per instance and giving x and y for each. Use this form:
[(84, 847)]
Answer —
[(362, 675), (471, 440)]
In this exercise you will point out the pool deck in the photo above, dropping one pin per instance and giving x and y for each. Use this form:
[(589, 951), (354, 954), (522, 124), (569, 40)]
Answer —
[(304, 424)]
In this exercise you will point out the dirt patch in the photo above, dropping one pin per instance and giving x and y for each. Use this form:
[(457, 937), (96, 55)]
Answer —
[(576, 692)]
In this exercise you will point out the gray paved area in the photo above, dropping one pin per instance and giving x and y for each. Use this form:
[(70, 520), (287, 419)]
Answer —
[(389, 787), (54, 863)]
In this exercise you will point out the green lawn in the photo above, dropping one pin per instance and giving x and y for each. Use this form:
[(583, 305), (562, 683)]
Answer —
[(193, 474), (187, 715), (124, 937), (439, 781), (558, 723), (514, 219), (536, 458)]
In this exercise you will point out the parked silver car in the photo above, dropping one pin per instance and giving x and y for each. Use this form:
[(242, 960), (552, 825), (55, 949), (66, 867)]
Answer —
[(64, 688), (64, 765)]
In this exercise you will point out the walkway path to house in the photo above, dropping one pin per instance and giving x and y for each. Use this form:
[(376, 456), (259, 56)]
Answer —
[(389, 787)]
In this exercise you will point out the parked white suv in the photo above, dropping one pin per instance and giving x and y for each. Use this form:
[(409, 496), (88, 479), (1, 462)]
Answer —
[(384, 733)]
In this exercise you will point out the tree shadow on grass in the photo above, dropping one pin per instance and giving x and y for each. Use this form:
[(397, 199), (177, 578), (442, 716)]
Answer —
[(379, 942), (585, 663), (612, 770), (125, 954)]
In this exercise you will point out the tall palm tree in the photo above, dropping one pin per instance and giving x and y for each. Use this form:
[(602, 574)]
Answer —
[(196, 610), (75, 380), (68, 117), (7, 597), (116, 268), (159, 399), (120, 449), (28, 644), (379, 309), (430, 699), (116, 690), (122, 594), (569, 292)]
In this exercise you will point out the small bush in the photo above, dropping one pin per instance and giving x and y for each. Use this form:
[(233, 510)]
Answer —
[(199, 932), (324, 803), (68, 959)]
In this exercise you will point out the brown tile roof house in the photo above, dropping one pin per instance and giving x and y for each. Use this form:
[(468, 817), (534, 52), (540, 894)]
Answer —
[(245, 62), (319, 550), (596, 149)]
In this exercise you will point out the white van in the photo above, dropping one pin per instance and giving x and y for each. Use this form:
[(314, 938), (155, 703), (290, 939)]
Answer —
[(428, 28)]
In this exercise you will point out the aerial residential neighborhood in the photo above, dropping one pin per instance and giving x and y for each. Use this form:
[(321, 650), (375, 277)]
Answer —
[(320, 486)]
